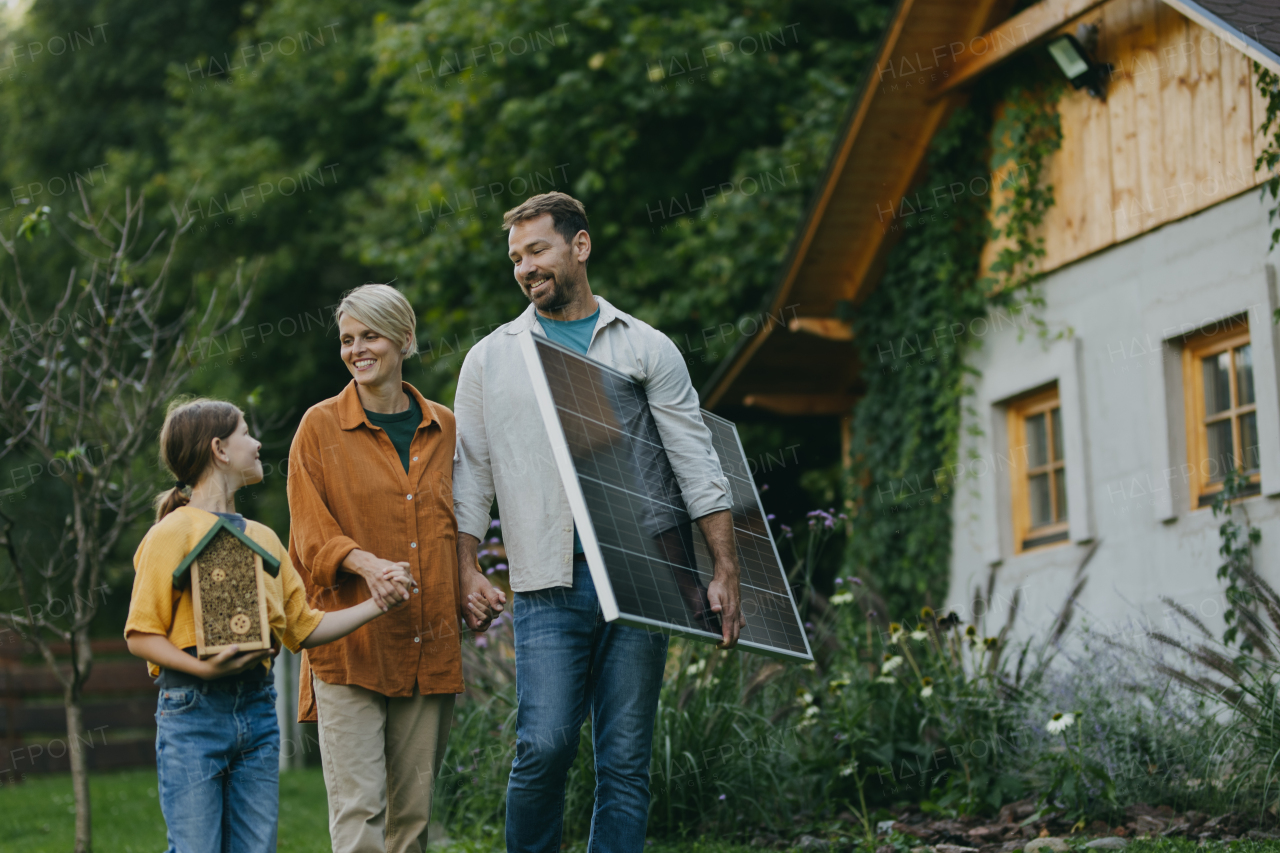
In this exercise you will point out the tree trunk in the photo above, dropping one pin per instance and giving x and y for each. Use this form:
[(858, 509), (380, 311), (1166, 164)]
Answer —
[(79, 772)]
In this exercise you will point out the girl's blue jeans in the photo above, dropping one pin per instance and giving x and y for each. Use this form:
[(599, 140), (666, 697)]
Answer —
[(217, 759)]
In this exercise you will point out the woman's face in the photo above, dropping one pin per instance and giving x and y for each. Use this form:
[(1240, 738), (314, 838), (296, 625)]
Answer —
[(238, 453), (371, 358)]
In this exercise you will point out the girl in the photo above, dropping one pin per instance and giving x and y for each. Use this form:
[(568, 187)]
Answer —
[(217, 738)]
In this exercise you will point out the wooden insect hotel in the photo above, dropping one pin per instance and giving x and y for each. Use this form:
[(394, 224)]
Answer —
[(227, 587)]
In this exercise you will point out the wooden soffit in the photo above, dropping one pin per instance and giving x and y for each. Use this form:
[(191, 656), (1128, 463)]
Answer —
[(875, 160)]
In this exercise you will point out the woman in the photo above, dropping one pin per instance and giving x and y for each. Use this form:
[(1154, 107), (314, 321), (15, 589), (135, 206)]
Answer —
[(370, 488)]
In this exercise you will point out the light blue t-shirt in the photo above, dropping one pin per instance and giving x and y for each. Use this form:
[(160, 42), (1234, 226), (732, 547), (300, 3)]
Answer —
[(576, 335)]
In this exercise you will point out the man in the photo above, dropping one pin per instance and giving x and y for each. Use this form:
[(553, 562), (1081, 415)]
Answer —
[(569, 662)]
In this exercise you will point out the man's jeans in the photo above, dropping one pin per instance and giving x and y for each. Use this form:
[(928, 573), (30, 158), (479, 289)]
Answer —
[(569, 663), (218, 765)]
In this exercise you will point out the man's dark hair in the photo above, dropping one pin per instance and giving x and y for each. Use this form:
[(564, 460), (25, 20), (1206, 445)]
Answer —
[(568, 216)]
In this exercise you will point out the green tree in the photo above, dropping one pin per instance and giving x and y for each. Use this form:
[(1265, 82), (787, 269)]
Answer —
[(692, 132)]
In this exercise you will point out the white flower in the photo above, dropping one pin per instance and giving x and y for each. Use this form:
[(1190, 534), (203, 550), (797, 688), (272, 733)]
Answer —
[(1060, 723), (848, 769), (887, 679), (806, 698), (841, 598), (811, 711), (927, 692), (695, 667), (919, 635), (891, 664)]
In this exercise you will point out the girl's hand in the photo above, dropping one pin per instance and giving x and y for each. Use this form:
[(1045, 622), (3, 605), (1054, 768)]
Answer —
[(230, 661), (375, 572), (398, 575)]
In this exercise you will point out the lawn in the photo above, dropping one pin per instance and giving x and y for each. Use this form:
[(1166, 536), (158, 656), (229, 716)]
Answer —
[(37, 817)]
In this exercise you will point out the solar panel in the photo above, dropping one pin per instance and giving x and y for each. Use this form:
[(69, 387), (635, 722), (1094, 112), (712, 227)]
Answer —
[(648, 559)]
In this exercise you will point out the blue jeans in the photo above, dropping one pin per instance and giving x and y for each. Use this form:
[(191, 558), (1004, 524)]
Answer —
[(217, 760), (570, 662)]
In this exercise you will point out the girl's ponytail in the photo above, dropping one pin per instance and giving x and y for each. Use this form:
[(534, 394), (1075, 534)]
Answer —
[(186, 445)]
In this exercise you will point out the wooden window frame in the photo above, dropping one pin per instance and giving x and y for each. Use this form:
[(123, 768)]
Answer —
[(1195, 348), (1018, 411)]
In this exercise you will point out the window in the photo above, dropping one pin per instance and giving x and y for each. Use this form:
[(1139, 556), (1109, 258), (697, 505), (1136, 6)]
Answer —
[(1222, 421), (1039, 474)]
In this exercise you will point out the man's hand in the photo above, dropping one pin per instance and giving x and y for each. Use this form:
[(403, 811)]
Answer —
[(389, 583), (723, 592), (482, 602), (230, 661)]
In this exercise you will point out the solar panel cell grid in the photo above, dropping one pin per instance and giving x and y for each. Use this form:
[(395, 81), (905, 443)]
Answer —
[(655, 561)]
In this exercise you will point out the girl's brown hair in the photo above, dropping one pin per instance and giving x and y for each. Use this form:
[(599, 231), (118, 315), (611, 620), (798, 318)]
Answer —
[(190, 426)]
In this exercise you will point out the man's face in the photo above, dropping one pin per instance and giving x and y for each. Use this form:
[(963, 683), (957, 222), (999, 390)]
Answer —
[(549, 270)]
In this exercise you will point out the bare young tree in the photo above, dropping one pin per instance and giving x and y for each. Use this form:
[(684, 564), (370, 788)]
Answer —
[(85, 374)]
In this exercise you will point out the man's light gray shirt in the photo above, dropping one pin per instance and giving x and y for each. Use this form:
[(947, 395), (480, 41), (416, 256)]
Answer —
[(503, 449)]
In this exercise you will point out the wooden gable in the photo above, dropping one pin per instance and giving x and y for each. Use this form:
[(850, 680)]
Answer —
[(1175, 135)]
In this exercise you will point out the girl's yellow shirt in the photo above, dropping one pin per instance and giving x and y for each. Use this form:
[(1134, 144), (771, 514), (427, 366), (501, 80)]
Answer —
[(157, 608)]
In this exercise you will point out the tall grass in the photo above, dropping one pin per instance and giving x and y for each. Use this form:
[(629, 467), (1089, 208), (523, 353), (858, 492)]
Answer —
[(954, 716)]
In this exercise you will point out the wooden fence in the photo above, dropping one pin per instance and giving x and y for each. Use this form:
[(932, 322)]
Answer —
[(119, 711)]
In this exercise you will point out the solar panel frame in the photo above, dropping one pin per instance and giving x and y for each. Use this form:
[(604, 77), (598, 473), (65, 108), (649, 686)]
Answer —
[(587, 534)]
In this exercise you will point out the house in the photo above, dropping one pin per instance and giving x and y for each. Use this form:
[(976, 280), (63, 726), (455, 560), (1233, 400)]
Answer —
[(1097, 450)]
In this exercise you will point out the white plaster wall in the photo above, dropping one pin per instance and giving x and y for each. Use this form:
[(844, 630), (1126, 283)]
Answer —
[(1122, 377)]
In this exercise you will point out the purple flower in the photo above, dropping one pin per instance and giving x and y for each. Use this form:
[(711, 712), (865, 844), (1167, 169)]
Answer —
[(858, 581), (839, 581), (495, 524), (482, 642), (500, 567), (770, 516), (764, 487), (722, 796), (808, 624), (489, 571)]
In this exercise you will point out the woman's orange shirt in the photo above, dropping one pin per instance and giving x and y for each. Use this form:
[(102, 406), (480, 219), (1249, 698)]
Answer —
[(348, 489)]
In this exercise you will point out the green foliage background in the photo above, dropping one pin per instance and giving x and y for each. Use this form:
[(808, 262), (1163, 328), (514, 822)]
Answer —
[(308, 138)]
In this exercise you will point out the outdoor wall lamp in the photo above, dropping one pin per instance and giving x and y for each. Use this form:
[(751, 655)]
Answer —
[(1079, 67)]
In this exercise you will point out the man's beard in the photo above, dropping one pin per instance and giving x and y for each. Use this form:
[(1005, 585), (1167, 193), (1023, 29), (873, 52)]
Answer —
[(558, 297)]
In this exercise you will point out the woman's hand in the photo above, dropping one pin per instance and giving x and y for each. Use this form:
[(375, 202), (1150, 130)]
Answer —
[(389, 583), (403, 581)]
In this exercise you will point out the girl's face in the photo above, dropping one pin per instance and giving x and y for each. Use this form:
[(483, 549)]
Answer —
[(372, 359), (238, 456)]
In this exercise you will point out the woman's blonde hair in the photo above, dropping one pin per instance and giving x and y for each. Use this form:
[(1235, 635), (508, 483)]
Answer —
[(384, 309), (186, 439)]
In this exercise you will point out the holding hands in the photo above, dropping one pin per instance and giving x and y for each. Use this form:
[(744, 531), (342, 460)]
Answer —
[(482, 602), (389, 583)]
